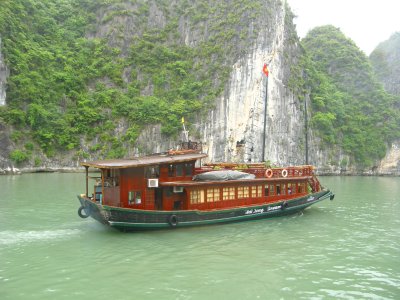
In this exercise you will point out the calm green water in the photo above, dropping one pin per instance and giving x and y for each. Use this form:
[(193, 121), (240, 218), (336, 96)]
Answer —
[(348, 248)]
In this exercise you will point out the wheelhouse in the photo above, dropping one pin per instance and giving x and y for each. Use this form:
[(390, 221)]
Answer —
[(138, 183)]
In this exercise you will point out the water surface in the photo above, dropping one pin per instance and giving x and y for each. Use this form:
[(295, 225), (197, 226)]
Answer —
[(348, 248)]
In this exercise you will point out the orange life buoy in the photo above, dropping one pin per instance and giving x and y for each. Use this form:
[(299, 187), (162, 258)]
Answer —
[(269, 173), (284, 173)]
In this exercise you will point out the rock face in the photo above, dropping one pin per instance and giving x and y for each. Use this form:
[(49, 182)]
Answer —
[(3, 78), (390, 165), (6, 146), (234, 130), (6, 166), (386, 62)]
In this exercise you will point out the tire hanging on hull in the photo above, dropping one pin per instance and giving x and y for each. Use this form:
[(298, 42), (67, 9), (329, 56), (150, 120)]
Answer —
[(83, 215), (173, 220)]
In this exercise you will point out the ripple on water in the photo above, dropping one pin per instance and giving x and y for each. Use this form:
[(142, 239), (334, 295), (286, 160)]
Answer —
[(10, 237)]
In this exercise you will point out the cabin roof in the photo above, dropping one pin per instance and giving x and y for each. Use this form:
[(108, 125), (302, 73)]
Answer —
[(142, 161)]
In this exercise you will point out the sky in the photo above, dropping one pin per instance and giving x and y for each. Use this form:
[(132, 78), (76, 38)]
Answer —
[(367, 23)]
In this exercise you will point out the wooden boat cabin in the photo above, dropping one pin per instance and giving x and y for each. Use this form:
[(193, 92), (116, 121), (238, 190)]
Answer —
[(148, 183), (165, 182)]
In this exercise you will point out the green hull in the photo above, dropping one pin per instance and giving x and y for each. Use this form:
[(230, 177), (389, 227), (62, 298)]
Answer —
[(125, 219)]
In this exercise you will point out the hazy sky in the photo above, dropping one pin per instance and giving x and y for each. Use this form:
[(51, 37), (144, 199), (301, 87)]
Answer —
[(367, 23)]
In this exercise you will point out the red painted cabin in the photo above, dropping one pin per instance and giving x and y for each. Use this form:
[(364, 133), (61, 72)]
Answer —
[(165, 183)]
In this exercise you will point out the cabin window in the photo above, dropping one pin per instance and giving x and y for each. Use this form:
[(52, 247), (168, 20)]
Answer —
[(179, 170), (291, 188), (212, 195), (112, 178), (278, 189), (228, 193), (135, 197), (243, 192), (196, 196), (301, 187), (256, 191), (152, 172), (188, 169), (271, 190), (266, 190), (171, 170), (283, 189)]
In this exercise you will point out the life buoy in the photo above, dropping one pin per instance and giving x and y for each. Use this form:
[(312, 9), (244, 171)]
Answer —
[(173, 220), (284, 173), (284, 205), (269, 173), (85, 215)]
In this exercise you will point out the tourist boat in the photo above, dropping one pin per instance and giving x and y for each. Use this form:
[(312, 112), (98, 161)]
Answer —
[(173, 189)]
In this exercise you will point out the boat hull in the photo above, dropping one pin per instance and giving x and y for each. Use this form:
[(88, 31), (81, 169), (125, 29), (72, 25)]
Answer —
[(125, 219)]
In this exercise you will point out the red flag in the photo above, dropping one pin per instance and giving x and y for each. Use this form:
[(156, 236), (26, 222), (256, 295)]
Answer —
[(265, 70)]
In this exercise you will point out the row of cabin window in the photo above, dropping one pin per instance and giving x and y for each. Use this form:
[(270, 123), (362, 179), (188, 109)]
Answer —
[(244, 192), (180, 170), (174, 170)]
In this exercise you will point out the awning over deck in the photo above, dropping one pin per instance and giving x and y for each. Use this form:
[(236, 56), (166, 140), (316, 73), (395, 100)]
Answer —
[(143, 161)]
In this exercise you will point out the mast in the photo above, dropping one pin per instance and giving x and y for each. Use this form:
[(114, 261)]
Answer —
[(306, 128), (266, 73)]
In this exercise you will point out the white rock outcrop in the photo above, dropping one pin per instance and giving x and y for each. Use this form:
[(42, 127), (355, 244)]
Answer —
[(234, 130), (390, 165), (3, 78)]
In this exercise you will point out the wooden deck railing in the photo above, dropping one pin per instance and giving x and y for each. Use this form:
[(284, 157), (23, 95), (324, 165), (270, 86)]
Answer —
[(260, 170)]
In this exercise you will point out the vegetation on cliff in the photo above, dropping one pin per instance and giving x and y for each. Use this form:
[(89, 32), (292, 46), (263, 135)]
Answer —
[(386, 63), (351, 110), (70, 86), (81, 81)]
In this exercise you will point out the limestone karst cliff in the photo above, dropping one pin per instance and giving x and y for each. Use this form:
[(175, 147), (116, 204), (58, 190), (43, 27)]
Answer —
[(233, 130), (386, 62), (104, 78)]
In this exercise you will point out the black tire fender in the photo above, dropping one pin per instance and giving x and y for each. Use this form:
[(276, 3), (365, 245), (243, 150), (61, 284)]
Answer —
[(173, 220), (84, 215)]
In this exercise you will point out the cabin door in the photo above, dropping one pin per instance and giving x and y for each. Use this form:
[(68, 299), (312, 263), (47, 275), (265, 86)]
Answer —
[(158, 199)]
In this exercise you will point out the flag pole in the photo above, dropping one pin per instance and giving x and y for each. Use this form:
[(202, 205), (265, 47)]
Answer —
[(266, 73), (306, 128)]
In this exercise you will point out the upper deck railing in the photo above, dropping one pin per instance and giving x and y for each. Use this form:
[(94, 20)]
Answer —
[(260, 170)]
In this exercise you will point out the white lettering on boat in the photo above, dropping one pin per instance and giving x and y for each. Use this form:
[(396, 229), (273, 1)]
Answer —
[(274, 207), (254, 211), (310, 198)]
